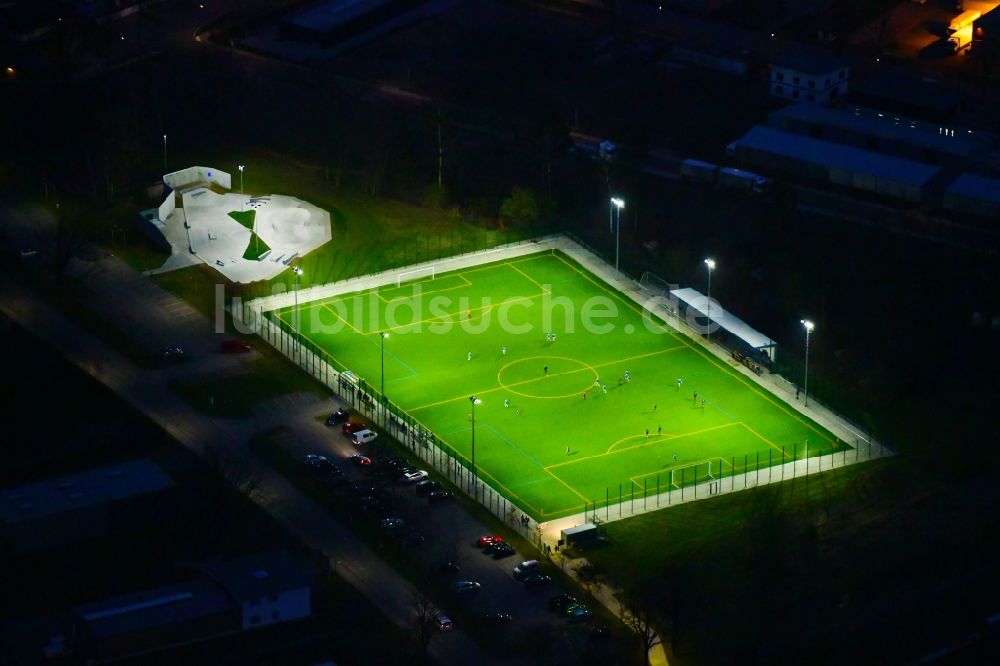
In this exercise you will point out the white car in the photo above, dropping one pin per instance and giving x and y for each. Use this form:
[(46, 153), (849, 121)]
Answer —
[(525, 568), (413, 477)]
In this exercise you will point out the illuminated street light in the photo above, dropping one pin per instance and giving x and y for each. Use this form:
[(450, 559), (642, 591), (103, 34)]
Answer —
[(298, 322), (164, 153), (383, 335), (809, 326), (475, 401), (710, 263), (618, 204)]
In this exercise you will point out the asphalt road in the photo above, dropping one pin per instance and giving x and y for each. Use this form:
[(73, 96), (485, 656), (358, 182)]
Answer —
[(158, 318)]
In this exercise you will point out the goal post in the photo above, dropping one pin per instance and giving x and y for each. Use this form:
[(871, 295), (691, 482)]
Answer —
[(655, 285), (417, 274), (694, 473)]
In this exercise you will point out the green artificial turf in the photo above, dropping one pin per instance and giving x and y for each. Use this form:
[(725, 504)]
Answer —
[(562, 442)]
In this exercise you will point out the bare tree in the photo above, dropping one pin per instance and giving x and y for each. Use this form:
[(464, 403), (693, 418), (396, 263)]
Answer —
[(640, 614), (424, 621), (60, 243), (238, 471)]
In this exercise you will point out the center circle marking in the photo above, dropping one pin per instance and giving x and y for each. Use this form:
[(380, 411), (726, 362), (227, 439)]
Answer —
[(540, 361)]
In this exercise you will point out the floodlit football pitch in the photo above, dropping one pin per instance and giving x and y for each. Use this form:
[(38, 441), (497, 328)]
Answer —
[(559, 427)]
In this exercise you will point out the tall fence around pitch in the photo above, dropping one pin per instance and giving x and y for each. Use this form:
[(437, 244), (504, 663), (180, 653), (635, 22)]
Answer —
[(387, 415), (628, 498)]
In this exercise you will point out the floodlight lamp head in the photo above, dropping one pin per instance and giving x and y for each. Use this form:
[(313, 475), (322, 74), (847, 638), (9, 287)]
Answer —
[(809, 326), (384, 335), (474, 400), (710, 263), (240, 168), (297, 270), (618, 203)]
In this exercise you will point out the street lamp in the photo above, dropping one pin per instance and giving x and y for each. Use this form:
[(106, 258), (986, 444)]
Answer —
[(710, 263), (475, 401), (164, 153), (240, 167), (809, 326), (383, 335), (298, 321), (618, 204)]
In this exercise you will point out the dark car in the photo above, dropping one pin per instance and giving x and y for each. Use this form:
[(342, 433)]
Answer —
[(395, 462), (497, 618), (426, 486), (359, 459), (446, 568), (502, 550), (338, 417), (439, 496), (537, 580), (561, 601), (321, 466), (577, 613), (172, 354), (412, 539), (351, 427), (236, 347)]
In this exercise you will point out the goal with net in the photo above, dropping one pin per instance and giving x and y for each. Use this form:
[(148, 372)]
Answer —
[(416, 275), (695, 473)]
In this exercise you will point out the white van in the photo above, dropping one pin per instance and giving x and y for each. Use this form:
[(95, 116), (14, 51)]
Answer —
[(363, 437)]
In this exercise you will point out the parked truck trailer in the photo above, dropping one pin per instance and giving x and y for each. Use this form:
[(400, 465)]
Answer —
[(744, 181)]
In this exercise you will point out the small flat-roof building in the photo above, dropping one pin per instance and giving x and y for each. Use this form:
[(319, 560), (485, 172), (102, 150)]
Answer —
[(864, 129), (157, 619), (986, 33), (976, 195), (798, 156), (75, 507), (809, 76), (920, 98), (267, 588)]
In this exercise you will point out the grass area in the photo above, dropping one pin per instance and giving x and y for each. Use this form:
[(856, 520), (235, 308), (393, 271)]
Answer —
[(482, 332), (244, 217), (238, 393)]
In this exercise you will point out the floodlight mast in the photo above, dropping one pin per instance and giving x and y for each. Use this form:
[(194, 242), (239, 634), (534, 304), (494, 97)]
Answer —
[(809, 326), (383, 335), (618, 203), (710, 263), (298, 322), (474, 401)]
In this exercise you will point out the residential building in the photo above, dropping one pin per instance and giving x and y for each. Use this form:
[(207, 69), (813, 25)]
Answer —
[(809, 76)]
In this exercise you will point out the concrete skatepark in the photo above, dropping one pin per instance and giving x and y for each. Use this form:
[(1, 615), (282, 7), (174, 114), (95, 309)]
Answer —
[(194, 219)]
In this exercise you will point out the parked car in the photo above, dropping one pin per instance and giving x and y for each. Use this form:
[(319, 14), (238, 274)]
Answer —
[(525, 568), (351, 427), (446, 568), (236, 347), (444, 622), (561, 601), (426, 486), (466, 586), (487, 540), (339, 416), (500, 544), (321, 466), (413, 477), (502, 550), (172, 354), (363, 437), (412, 539), (497, 618), (536, 580), (577, 613), (395, 462), (392, 523), (309, 457), (359, 459), (439, 496)]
